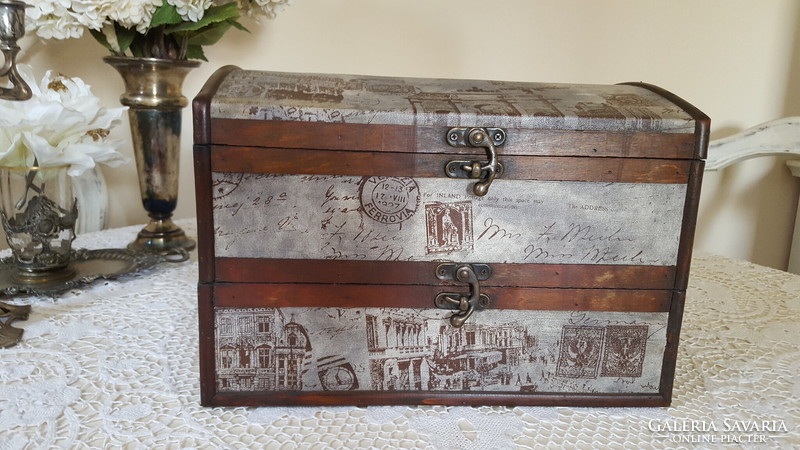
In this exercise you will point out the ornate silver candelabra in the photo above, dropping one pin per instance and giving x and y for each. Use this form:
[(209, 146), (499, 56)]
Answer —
[(12, 28)]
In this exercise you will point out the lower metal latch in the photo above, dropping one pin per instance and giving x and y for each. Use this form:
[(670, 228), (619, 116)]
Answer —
[(464, 305)]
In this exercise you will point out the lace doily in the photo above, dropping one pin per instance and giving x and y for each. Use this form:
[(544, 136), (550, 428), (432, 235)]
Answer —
[(115, 365)]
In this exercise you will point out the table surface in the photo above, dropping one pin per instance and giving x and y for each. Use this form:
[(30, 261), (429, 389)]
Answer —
[(115, 365)]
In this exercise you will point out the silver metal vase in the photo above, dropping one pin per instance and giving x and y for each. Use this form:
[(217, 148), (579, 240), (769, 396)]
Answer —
[(153, 94)]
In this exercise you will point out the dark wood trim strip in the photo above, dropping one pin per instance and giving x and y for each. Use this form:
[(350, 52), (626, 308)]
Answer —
[(328, 162), (671, 350), (252, 270), (616, 170), (691, 205), (250, 295), (205, 213), (430, 139), (703, 127), (205, 319), (702, 121), (317, 135), (201, 105), (201, 109), (366, 398)]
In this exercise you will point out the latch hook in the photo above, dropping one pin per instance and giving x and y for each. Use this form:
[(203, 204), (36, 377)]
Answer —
[(465, 305), (476, 137)]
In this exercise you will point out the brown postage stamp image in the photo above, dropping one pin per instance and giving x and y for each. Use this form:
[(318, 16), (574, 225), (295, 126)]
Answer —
[(449, 227)]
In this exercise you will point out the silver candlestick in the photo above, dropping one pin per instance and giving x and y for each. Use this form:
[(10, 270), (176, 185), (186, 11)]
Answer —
[(12, 28)]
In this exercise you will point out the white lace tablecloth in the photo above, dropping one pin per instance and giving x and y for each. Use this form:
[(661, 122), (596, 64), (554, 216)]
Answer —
[(115, 365)]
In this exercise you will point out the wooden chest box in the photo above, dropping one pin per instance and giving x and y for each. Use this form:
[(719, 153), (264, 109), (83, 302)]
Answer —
[(370, 240)]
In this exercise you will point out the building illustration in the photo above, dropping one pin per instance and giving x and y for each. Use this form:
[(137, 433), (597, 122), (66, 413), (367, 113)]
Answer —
[(260, 350), (405, 349)]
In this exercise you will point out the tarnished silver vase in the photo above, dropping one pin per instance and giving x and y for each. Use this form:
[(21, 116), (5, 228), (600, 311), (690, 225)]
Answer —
[(153, 94)]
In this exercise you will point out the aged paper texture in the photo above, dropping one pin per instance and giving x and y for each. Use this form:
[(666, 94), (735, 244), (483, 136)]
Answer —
[(396, 349), (437, 219)]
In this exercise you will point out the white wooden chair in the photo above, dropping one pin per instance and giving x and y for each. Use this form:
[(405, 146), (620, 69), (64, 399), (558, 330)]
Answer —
[(779, 137), (776, 138)]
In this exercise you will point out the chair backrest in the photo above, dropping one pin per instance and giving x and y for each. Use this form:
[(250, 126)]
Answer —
[(778, 137)]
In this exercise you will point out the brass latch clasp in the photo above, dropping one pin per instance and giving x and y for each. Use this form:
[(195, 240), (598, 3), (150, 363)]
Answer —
[(465, 305), (485, 171)]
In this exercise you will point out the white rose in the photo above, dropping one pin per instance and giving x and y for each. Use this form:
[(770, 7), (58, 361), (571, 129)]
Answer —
[(63, 123)]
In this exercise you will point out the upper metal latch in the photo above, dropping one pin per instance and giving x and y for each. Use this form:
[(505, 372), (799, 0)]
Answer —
[(486, 171)]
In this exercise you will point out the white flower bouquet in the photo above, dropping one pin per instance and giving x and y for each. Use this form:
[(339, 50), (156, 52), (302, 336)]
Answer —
[(63, 124), (171, 29)]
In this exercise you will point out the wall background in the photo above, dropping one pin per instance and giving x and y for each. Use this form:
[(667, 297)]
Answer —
[(736, 60)]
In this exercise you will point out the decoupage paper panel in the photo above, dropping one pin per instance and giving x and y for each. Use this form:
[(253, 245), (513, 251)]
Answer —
[(396, 349), (432, 219), (256, 95)]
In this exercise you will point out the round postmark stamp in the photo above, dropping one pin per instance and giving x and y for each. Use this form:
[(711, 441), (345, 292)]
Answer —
[(224, 183), (390, 200)]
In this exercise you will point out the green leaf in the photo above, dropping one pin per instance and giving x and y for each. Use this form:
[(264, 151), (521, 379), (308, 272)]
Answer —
[(166, 14), (210, 34), (237, 25), (125, 37), (195, 52), (214, 14), (137, 48), (101, 38)]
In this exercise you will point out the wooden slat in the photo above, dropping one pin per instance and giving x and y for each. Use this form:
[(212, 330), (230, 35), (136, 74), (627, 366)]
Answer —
[(364, 398), (250, 295), (319, 162), (671, 348), (689, 225), (319, 135), (205, 319), (617, 170), (256, 270), (205, 213), (411, 139)]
